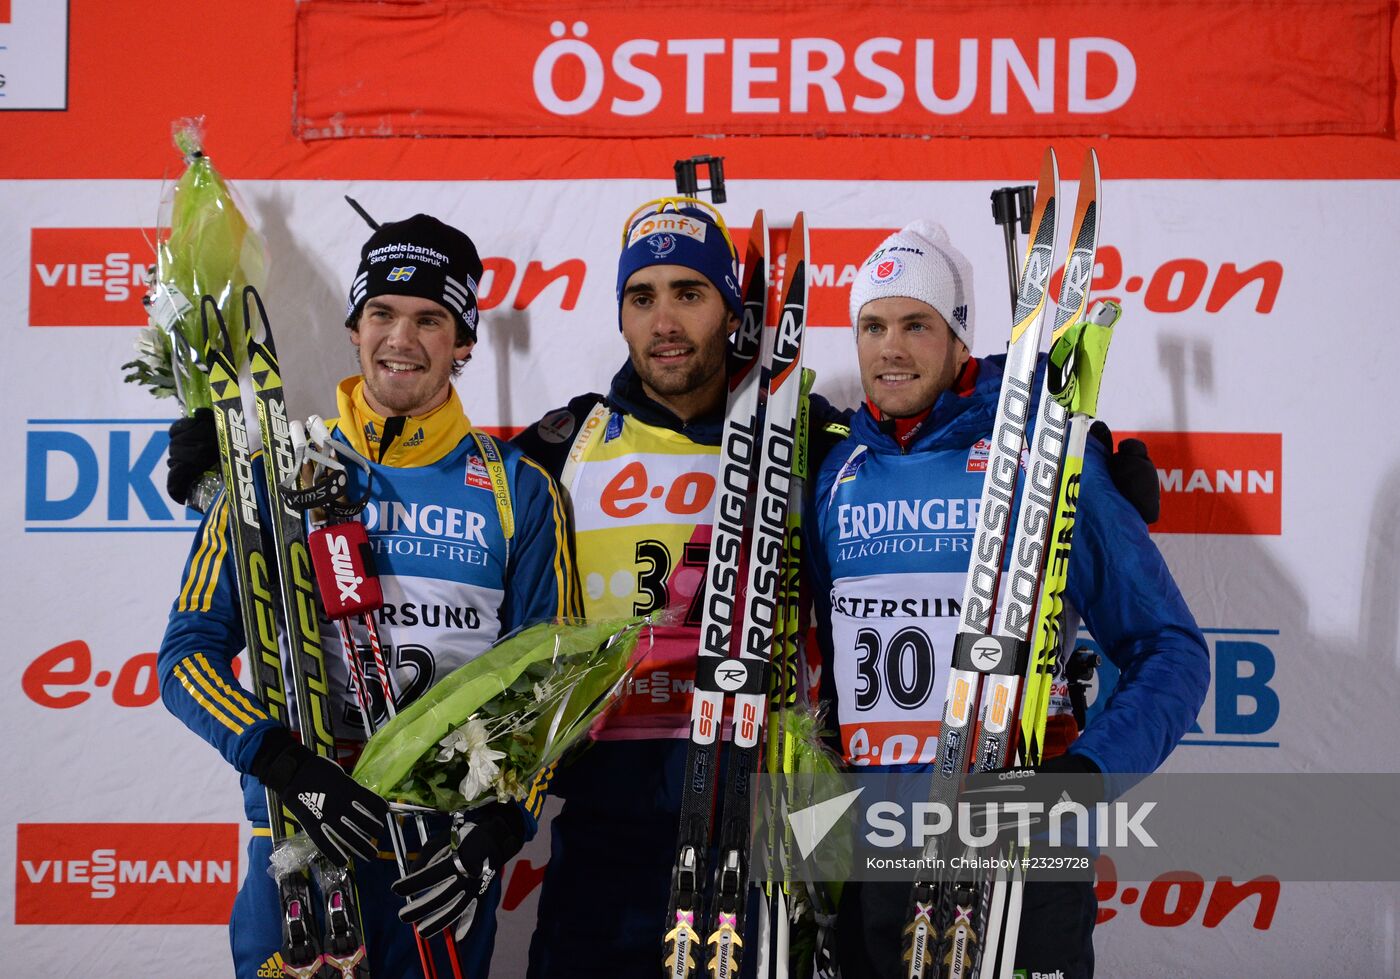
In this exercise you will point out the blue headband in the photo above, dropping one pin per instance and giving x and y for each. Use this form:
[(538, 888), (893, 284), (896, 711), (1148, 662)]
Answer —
[(684, 235)]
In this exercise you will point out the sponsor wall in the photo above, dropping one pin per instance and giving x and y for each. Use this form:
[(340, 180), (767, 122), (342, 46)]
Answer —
[(1254, 357)]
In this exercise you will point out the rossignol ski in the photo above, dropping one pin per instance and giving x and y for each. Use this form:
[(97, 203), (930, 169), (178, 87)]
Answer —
[(939, 926), (739, 447), (306, 952), (1072, 381), (1002, 692), (767, 461)]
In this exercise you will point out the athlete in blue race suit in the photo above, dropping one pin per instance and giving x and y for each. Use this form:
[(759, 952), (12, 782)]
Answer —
[(890, 523), (454, 581)]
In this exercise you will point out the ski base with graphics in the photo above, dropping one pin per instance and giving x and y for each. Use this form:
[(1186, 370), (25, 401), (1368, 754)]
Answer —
[(1001, 694), (1072, 380)]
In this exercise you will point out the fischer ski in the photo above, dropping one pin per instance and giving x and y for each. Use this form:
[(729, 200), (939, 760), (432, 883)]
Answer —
[(940, 924), (304, 953)]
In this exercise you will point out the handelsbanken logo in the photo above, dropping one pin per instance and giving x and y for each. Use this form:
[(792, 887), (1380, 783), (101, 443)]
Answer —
[(89, 276), (125, 873), (1217, 482)]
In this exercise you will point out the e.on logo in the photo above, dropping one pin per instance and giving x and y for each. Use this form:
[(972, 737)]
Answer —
[(1217, 482), (125, 873), (89, 276)]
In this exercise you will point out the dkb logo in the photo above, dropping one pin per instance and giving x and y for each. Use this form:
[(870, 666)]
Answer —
[(1242, 707), (98, 475)]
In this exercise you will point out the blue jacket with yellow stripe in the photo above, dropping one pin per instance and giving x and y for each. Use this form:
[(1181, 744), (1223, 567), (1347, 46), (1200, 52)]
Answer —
[(453, 582)]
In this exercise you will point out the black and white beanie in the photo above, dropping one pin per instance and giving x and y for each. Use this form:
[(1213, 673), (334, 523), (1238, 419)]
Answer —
[(422, 257)]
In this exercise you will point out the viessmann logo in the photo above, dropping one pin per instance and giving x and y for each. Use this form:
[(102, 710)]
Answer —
[(125, 873), (1217, 482), (89, 276)]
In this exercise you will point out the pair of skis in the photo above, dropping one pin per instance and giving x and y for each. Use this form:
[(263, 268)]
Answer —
[(306, 952), (334, 948), (994, 678), (760, 445)]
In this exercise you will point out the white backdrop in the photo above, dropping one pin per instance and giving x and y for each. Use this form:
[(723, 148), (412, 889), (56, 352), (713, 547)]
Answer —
[(1307, 616)]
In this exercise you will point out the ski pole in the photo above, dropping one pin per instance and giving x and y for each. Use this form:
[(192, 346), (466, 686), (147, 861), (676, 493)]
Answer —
[(1012, 206), (326, 504)]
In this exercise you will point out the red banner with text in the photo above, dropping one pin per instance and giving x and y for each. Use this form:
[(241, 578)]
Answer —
[(1191, 68)]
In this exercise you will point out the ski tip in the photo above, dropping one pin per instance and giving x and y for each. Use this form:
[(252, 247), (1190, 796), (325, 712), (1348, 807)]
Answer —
[(795, 261), (1049, 172), (1089, 173), (758, 234), (797, 239)]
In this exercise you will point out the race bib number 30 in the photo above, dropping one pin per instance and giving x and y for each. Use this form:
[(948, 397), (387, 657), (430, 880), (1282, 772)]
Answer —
[(893, 639)]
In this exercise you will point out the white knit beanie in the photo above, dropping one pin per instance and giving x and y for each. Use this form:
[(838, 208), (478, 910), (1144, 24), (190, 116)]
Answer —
[(919, 263)]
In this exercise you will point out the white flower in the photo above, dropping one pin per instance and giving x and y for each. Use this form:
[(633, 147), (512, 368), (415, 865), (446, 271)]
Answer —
[(461, 741), (482, 771), (455, 742)]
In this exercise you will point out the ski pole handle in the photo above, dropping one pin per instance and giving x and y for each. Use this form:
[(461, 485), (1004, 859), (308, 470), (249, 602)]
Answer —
[(1012, 206)]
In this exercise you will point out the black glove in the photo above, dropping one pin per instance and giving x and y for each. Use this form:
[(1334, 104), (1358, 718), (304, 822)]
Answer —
[(339, 814), (457, 868), (194, 451), (1065, 778), (1133, 473)]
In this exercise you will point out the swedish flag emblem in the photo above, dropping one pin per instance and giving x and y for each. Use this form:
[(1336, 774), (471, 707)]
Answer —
[(402, 273)]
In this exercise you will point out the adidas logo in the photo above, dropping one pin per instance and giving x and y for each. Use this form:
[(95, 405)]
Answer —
[(272, 968), (488, 874), (313, 801)]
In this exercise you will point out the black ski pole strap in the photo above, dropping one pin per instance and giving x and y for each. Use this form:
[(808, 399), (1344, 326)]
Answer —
[(1079, 673), (995, 655)]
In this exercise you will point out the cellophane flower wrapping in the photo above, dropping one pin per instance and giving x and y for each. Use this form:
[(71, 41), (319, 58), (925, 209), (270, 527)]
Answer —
[(212, 249), (813, 903), (487, 729)]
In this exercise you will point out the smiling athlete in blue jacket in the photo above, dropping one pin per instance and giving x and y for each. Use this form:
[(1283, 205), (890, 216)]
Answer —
[(891, 522)]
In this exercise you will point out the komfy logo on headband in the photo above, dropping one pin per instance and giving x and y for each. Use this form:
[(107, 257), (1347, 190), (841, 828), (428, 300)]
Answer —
[(669, 223)]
